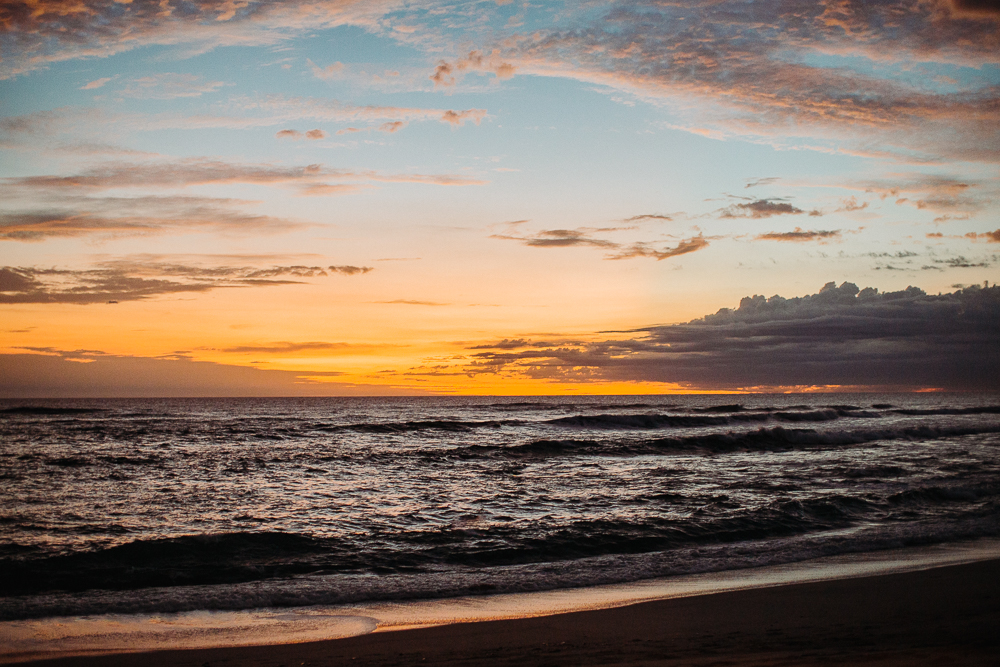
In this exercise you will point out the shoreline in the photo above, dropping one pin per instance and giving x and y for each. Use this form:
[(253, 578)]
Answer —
[(194, 633), (944, 615)]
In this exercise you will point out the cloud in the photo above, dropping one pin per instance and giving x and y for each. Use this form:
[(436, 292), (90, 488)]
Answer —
[(133, 280), (974, 8), (648, 216), (799, 236), (838, 336), (350, 270), (756, 182), (97, 83), (442, 75), (459, 117), (388, 128), (564, 238), (169, 85), (831, 76), (313, 179), (52, 374), (936, 193), (43, 128), (851, 205), (72, 215), (644, 249), (446, 74), (761, 208), (413, 302), (332, 71), (394, 126), (39, 33), (291, 348), (567, 238), (288, 134), (280, 108)]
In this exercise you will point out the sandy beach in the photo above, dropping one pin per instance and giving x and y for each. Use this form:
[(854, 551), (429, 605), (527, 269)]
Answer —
[(942, 616)]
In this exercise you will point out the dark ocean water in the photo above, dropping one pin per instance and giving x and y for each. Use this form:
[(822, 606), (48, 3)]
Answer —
[(117, 506)]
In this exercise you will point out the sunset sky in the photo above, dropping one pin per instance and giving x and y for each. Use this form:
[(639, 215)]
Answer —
[(377, 197)]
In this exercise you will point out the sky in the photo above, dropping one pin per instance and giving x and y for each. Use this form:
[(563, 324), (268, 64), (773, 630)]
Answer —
[(347, 197)]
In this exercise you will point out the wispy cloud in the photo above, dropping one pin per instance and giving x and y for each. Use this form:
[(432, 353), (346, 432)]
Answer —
[(295, 134), (331, 71), (289, 348), (827, 75), (799, 236), (169, 85), (948, 196), (203, 171), (59, 30), (131, 280), (584, 237), (413, 302), (96, 83), (646, 250), (73, 215)]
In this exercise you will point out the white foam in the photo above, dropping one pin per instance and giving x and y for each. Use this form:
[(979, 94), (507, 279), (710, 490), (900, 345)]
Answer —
[(403, 615), (93, 635), (123, 633)]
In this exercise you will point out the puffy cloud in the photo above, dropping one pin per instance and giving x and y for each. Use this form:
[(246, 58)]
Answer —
[(288, 134), (315, 134), (394, 126), (459, 117), (760, 208), (838, 336), (442, 75), (131, 280), (446, 74)]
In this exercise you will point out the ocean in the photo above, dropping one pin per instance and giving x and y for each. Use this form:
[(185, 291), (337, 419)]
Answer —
[(144, 506)]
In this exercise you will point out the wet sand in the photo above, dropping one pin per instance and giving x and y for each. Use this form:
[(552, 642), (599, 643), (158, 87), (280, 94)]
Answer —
[(942, 616)]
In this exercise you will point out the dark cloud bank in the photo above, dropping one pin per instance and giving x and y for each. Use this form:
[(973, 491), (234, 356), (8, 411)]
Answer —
[(61, 374), (839, 336)]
